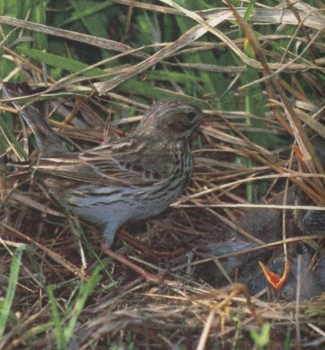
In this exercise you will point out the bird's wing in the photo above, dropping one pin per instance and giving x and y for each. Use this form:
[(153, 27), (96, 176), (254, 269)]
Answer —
[(120, 163)]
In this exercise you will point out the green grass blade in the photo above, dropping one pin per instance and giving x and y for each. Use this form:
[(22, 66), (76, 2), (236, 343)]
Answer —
[(12, 284), (59, 338), (80, 303)]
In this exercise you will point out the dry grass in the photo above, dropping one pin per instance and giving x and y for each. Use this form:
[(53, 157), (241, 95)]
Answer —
[(68, 294)]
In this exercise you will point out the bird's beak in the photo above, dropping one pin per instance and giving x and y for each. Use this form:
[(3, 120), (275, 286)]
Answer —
[(275, 280)]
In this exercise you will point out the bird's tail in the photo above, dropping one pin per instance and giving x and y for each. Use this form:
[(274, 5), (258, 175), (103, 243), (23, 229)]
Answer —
[(48, 142)]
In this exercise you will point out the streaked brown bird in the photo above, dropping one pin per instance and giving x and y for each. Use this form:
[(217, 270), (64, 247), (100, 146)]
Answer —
[(133, 178)]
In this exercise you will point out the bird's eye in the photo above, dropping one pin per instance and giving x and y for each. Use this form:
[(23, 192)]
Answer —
[(287, 292), (191, 116)]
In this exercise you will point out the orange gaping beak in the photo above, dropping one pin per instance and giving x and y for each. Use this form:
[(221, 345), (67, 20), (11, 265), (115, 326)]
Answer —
[(275, 280)]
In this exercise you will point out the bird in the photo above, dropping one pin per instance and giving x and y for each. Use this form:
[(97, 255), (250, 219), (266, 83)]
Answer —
[(277, 273), (298, 276), (132, 178)]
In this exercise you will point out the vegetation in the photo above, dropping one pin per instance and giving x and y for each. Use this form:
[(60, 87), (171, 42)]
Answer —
[(257, 73)]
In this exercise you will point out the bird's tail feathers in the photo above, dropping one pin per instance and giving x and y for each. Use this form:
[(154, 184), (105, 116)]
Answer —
[(48, 142)]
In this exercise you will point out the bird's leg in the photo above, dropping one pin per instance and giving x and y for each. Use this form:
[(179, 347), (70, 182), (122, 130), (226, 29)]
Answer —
[(139, 270)]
